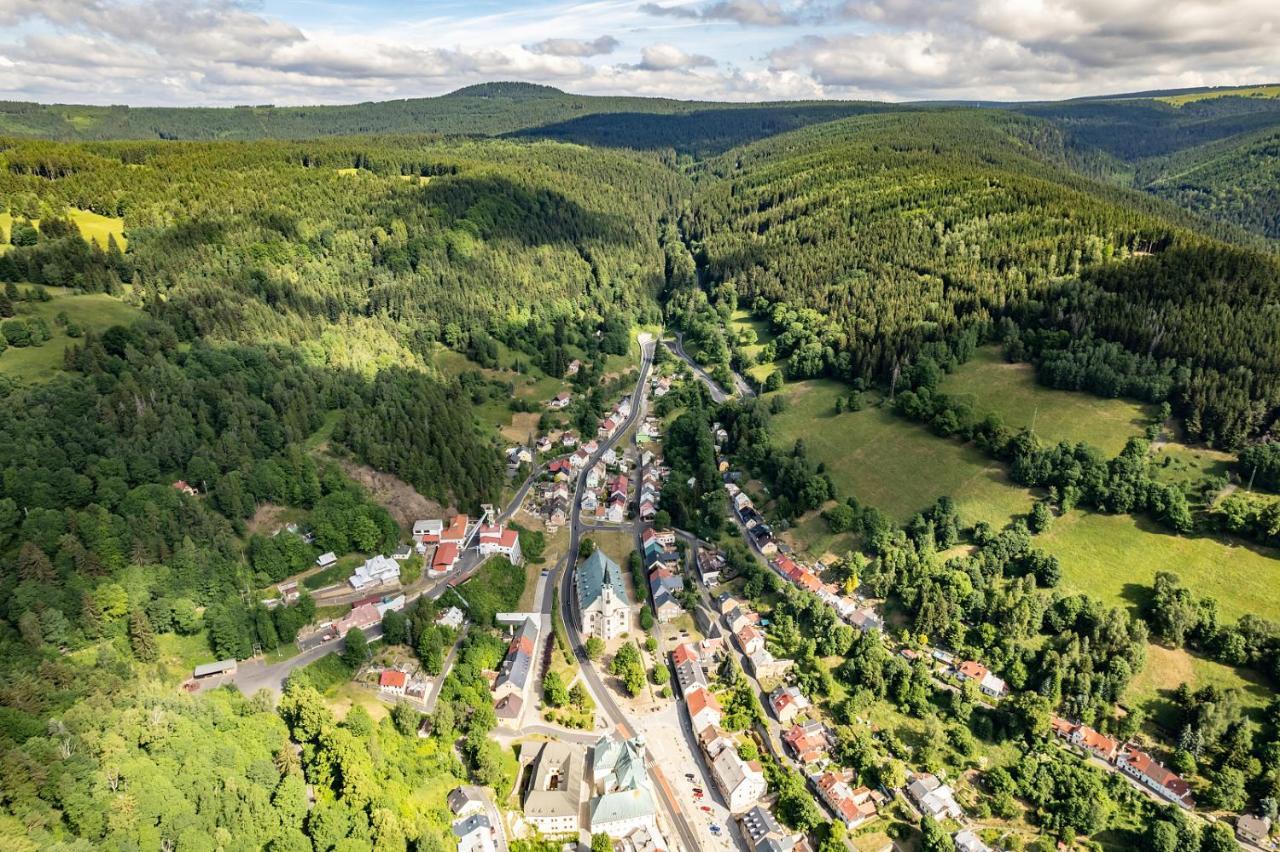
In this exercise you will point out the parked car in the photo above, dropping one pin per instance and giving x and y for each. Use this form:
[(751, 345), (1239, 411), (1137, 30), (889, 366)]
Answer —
[(706, 808)]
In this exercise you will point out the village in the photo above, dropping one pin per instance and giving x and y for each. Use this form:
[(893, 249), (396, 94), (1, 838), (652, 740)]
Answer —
[(650, 637)]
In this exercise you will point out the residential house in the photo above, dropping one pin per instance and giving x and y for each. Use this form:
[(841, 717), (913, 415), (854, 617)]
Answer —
[(607, 427), (475, 834), (517, 456), (552, 801), (602, 597), (710, 564), (763, 833), (750, 639), (590, 446), (808, 743), (590, 502), (1254, 829), (933, 798), (765, 666), (1148, 771), (642, 839), (574, 366), (647, 509), (866, 619), (500, 540), (557, 467), (739, 617), (787, 703), (596, 475), (622, 797), (704, 709), (556, 513), (968, 841), (741, 782), (544, 444), (185, 487), (402, 552), (762, 537), (617, 511), (451, 618), (609, 457), (852, 807), (690, 676), (393, 682), (375, 571), (513, 677), (1086, 737), (569, 440), (361, 617), (560, 401), (665, 606), (325, 560), (465, 801)]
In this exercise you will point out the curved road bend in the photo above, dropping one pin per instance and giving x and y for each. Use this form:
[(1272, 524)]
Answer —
[(718, 395)]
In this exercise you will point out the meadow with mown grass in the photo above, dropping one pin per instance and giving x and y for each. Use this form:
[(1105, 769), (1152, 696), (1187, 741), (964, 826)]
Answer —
[(890, 463)]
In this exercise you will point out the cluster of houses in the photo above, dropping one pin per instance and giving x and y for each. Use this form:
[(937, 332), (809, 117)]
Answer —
[(741, 782), (963, 671), (397, 683), (1129, 759), (852, 610), (745, 626), (619, 796), (471, 824), (442, 546), (759, 533), (662, 563), (763, 833)]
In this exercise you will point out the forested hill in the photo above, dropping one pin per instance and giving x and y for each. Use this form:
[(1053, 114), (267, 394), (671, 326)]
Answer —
[(874, 241), (363, 252), (495, 109)]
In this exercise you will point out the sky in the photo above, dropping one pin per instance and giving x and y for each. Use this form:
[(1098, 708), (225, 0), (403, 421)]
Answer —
[(224, 52)]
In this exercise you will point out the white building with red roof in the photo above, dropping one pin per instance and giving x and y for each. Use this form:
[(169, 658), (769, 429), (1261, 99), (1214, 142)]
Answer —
[(393, 682), (1154, 775), (500, 540)]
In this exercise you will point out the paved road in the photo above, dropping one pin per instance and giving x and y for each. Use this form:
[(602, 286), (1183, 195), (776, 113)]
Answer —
[(253, 675), (433, 695), (743, 389), (491, 811), (569, 612), (563, 734)]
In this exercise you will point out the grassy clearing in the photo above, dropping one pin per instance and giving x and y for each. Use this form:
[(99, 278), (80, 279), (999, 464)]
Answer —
[(532, 384), (92, 227), (335, 573), (1167, 668), (745, 319), (1011, 391), (890, 463), (813, 538), (1116, 557), (94, 312), (1224, 92), (1178, 464), (180, 654)]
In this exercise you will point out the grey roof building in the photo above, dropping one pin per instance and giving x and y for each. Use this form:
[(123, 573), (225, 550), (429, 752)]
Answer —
[(602, 597), (514, 674), (553, 800)]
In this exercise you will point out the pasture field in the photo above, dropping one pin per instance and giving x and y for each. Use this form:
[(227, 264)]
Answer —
[(93, 226), (91, 311), (1166, 669), (1224, 92), (994, 386), (1178, 464), (891, 463), (1115, 558)]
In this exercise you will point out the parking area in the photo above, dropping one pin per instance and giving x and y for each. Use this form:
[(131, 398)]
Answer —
[(670, 743)]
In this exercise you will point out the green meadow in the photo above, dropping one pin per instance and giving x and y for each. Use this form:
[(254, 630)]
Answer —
[(891, 463), (91, 311), (994, 386)]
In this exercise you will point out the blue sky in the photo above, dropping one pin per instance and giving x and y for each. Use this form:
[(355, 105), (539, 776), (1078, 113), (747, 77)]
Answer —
[(220, 52)]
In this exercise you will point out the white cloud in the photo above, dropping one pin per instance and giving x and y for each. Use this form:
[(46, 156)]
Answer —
[(229, 51), (576, 47), (667, 57), (764, 13)]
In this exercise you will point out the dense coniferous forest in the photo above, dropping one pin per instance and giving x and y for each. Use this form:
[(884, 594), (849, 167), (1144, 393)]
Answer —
[(300, 295)]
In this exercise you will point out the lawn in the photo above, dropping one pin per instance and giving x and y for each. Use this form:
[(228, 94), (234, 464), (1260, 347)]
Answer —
[(812, 537), (1116, 557), (891, 463), (1011, 391), (91, 311), (335, 573), (1167, 668)]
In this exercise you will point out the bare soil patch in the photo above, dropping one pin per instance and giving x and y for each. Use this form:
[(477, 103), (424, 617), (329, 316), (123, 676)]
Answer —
[(399, 498)]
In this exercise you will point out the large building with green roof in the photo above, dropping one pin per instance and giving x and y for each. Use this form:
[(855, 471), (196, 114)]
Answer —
[(622, 798), (602, 597)]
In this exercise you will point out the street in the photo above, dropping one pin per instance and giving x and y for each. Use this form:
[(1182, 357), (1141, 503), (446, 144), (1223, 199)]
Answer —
[(718, 395)]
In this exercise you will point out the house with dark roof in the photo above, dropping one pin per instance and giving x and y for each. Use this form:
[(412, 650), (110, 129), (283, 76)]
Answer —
[(552, 800), (513, 677)]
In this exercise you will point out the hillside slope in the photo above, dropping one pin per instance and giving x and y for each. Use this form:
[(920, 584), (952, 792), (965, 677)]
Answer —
[(874, 241)]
